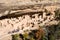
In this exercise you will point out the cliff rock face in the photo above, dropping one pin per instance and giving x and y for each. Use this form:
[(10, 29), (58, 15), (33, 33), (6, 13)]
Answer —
[(7, 5)]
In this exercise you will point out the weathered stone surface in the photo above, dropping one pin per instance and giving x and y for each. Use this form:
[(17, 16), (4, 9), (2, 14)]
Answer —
[(8, 5)]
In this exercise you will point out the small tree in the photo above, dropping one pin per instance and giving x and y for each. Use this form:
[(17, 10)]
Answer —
[(16, 37)]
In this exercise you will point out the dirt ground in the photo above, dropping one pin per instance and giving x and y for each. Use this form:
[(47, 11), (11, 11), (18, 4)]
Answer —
[(7, 38)]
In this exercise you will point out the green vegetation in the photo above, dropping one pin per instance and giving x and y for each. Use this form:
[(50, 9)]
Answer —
[(40, 34), (15, 37), (34, 35)]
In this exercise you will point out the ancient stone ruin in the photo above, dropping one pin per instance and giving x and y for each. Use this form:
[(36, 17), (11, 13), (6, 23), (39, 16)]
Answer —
[(21, 17)]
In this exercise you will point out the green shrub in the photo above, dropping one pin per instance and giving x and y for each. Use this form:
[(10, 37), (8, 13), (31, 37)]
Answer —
[(15, 37)]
